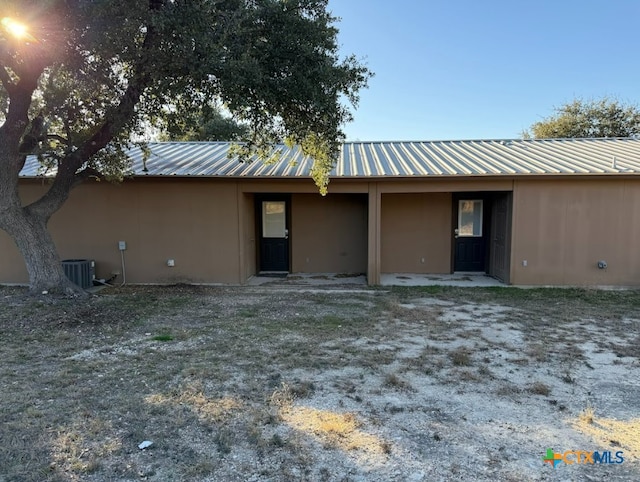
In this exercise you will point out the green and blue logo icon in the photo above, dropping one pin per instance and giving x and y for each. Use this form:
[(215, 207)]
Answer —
[(571, 457)]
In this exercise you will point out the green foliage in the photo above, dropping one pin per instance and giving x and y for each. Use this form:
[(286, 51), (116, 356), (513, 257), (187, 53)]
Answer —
[(596, 118), (208, 124), (108, 70)]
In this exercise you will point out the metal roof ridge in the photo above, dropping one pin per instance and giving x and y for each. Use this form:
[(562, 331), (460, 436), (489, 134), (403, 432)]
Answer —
[(419, 141)]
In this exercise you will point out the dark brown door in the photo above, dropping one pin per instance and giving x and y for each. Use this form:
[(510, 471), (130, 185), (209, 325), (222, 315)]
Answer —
[(470, 241), (500, 237), (274, 235)]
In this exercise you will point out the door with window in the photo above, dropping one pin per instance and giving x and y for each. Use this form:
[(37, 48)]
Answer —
[(469, 235), (274, 235)]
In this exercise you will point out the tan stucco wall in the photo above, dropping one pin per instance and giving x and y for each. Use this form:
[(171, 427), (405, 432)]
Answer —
[(193, 222), (563, 227), (328, 234), (207, 226), (248, 236), (416, 233)]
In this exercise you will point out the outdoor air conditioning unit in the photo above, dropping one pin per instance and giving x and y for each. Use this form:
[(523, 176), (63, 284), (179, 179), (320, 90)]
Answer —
[(80, 271)]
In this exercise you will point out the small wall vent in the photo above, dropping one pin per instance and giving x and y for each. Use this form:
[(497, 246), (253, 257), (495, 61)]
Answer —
[(80, 271)]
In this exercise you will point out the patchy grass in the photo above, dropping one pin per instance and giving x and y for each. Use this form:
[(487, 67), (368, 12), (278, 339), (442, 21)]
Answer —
[(461, 357), (335, 430), (241, 383), (395, 382), (587, 416), (613, 434), (539, 388), (192, 397)]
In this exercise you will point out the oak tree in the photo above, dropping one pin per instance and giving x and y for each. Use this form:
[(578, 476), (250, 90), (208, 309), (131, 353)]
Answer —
[(207, 124), (79, 78), (595, 118)]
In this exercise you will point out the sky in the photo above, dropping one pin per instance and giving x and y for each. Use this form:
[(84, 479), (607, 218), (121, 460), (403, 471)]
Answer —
[(484, 69)]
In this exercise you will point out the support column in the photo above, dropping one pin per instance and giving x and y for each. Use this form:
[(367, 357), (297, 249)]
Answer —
[(373, 242), (242, 245), (513, 231)]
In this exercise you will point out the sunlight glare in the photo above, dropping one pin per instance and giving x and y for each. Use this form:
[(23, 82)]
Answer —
[(16, 29)]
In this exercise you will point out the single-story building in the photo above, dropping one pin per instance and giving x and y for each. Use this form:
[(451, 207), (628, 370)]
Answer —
[(527, 212)]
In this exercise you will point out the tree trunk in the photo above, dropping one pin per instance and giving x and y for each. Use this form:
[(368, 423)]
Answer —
[(30, 234)]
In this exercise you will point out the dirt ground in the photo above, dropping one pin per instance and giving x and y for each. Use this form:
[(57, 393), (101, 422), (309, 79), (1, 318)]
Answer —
[(328, 383)]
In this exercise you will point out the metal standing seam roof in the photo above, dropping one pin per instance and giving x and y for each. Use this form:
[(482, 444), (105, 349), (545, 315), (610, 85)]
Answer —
[(430, 159)]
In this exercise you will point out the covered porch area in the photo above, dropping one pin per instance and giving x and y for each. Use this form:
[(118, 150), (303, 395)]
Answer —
[(440, 232)]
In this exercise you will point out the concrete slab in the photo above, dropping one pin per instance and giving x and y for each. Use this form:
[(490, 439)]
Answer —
[(455, 279), (310, 279), (388, 279)]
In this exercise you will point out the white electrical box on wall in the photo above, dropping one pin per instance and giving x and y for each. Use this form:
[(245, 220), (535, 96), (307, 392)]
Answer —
[(122, 245)]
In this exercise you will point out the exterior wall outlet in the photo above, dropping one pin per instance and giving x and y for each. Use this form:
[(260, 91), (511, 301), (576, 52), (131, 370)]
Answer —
[(122, 245), (524, 263), (171, 263), (602, 264), (422, 260)]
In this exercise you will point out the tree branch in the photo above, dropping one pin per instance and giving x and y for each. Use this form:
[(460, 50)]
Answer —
[(85, 175), (58, 138), (115, 120), (5, 78), (14, 126), (67, 175)]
